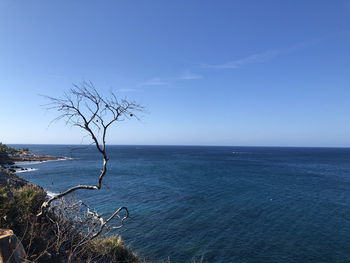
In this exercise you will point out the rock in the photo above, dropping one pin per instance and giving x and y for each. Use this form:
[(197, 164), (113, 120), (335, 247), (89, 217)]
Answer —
[(10, 179), (11, 249)]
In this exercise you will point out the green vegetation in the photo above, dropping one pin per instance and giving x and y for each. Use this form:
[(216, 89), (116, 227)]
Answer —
[(63, 233), (112, 247), (8, 150), (17, 212), (6, 153), (55, 237)]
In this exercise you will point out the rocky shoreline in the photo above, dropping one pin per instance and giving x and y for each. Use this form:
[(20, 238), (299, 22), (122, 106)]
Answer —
[(35, 158), (20, 203), (12, 180), (12, 162)]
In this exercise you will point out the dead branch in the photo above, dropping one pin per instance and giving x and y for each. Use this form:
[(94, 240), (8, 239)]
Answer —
[(85, 108)]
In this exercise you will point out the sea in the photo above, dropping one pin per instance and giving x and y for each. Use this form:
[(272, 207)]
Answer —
[(214, 204)]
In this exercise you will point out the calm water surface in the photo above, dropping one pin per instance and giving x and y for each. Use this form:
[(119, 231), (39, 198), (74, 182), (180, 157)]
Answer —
[(225, 204)]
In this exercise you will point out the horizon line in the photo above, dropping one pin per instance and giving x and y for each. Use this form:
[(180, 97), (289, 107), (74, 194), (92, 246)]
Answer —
[(184, 145)]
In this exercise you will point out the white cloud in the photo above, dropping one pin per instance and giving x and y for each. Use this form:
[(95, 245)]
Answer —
[(153, 82), (186, 75), (259, 57), (189, 75), (251, 59)]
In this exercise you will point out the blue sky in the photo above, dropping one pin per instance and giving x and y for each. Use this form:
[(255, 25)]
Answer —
[(209, 72)]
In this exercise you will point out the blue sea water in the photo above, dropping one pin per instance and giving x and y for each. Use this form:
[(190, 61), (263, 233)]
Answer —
[(222, 204)]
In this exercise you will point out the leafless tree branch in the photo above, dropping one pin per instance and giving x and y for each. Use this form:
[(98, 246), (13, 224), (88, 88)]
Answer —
[(83, 106)]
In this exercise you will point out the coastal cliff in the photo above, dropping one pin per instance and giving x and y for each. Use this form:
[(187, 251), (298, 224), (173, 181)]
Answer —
[(10, 155), (12, 180), (51, 238)]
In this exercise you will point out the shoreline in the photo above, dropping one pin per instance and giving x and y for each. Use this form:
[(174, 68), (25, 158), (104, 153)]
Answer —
[(16, 163), (25, 170), (21, 200), (42, 161), (112, 247), (36, 158)]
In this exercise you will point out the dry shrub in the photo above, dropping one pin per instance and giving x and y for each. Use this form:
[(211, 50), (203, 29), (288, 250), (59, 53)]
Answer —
[(63, 234)]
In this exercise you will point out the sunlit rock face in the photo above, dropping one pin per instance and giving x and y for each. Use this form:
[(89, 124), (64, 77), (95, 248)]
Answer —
[(11, 249)]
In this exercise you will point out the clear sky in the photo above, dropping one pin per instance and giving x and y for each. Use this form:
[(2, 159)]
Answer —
[(209, 72)]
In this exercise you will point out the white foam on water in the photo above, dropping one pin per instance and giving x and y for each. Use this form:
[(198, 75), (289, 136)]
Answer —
[(25, 170), (51, 194), (38, 162)]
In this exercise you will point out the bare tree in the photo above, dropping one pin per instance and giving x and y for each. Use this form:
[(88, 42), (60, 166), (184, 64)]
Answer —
[(83, 106)]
